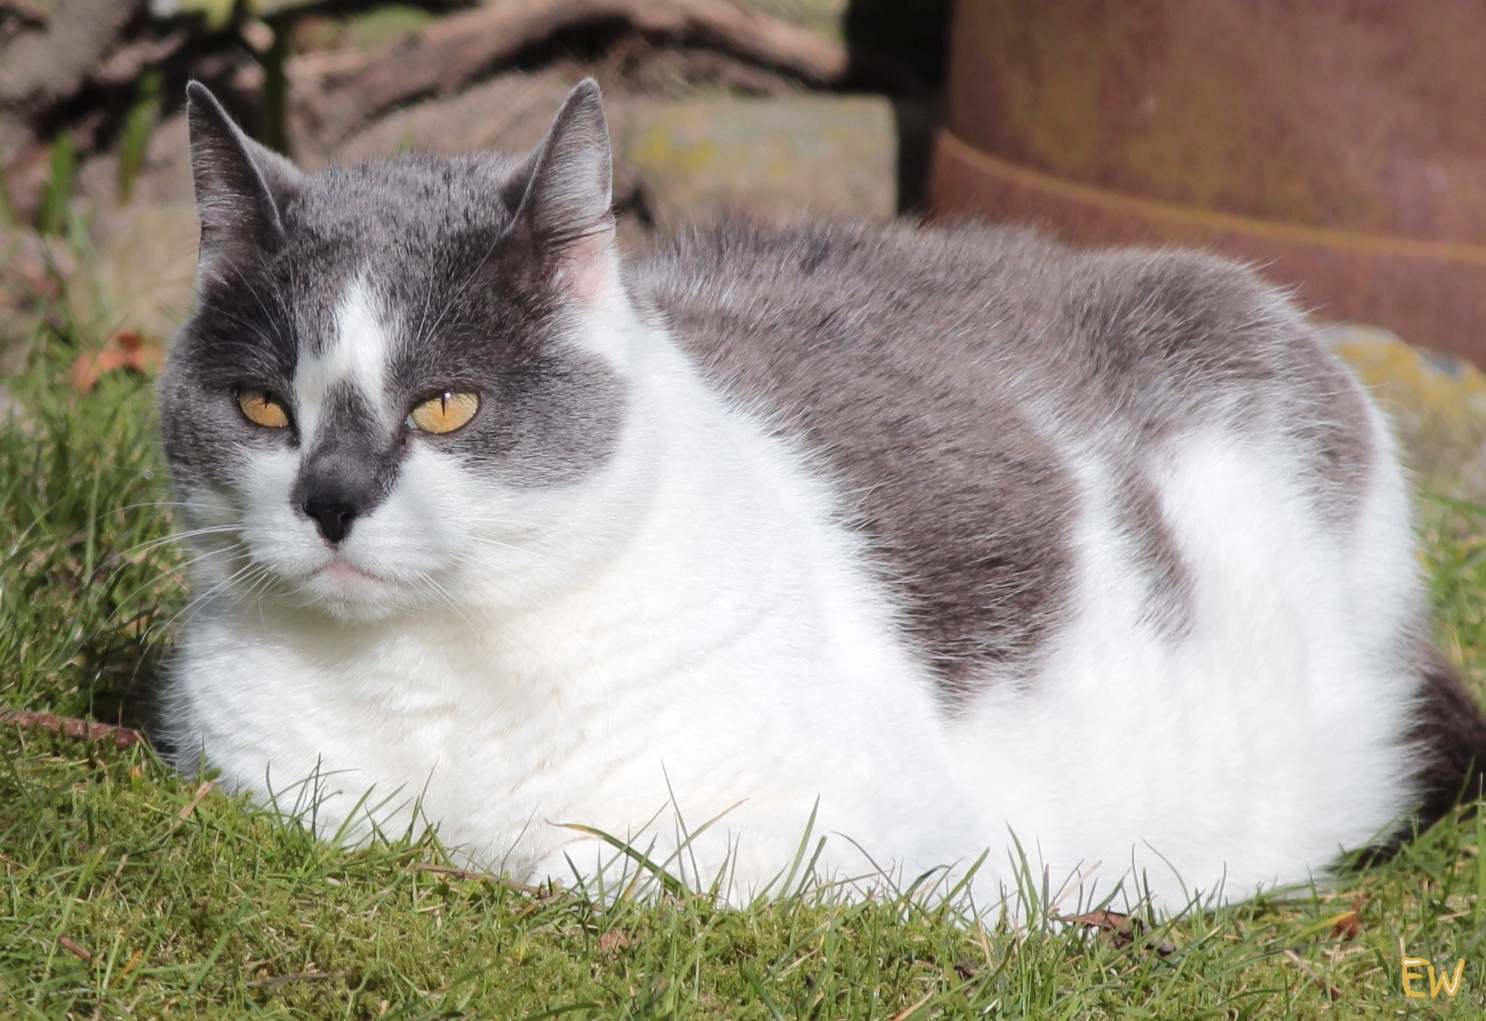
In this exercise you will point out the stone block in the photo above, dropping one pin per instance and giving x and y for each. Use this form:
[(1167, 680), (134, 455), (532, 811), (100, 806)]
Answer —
[(1436, 402), (821, 155)]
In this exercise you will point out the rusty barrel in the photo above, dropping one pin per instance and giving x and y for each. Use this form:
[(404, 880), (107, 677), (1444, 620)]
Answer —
[(1338, 144)]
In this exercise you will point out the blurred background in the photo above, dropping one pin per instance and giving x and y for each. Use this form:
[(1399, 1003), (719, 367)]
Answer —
[(1339, 145)]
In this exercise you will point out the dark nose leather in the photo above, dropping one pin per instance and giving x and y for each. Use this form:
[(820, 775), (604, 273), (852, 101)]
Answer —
[(331, 516), (344, 475)]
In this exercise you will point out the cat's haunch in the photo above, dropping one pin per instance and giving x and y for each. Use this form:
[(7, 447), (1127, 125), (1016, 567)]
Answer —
[(948, 545)]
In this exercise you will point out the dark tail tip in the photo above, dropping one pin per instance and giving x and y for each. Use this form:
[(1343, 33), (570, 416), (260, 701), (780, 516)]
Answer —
[(1450, 732)]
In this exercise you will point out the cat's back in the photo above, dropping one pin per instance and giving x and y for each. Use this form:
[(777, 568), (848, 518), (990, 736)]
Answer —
[(986, 316), (962, 384)]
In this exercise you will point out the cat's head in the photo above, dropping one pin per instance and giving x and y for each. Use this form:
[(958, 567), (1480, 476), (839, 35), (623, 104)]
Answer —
[(400, 375)]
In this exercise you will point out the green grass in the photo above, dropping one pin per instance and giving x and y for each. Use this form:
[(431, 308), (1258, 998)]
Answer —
[(124, 894)]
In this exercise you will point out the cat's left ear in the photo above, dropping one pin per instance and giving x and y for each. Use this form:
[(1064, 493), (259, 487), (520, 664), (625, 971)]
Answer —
[(566, 203)]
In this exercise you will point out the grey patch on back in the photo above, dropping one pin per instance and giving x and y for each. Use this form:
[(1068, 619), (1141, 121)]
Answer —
[(1169, 585), (1175, 339), (1340, 441), (946, 378), (879, 356)]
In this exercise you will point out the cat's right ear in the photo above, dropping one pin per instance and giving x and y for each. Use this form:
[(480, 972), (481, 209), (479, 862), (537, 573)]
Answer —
[(241, 186), (566, 197)]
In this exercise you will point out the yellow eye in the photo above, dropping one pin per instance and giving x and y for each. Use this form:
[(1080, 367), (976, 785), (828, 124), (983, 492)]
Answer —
[(443, 413), (263, 408)]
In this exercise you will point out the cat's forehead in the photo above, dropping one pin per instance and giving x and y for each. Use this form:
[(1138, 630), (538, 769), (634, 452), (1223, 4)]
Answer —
[(406, 201), (384, 259), (402, 221)]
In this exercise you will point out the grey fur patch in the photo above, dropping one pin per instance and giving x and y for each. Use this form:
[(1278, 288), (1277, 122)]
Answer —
[(1176, 339), (1169, 585), (1339, 440), (884, 355), (944, 378)]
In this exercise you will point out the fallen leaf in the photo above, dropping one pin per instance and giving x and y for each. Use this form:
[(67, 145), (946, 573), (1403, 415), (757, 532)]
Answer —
[(129, 965), (1345, 925), (125, 349), (1121, 930)]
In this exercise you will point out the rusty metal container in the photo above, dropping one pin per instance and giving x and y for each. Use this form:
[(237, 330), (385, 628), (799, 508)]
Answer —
[(1340, 145)]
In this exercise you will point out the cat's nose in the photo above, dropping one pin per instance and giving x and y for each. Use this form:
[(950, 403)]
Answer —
[(331, 516)]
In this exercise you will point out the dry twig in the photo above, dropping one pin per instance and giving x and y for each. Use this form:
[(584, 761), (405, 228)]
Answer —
[(1332, 992), (202, 790), (909, 1011), (74, 948), (73, 727), (458, 873)]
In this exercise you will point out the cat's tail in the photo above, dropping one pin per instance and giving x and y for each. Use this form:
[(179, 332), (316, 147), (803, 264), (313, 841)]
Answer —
[(1450, 732)]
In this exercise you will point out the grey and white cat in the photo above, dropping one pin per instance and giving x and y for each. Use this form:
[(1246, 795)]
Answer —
[(947, 544)]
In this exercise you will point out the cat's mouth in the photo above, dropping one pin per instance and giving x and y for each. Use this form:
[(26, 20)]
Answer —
[(338, 581), (350, 592), (342, 572)]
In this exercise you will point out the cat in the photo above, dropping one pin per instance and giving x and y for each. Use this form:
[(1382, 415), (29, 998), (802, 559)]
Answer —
[(889, 553)]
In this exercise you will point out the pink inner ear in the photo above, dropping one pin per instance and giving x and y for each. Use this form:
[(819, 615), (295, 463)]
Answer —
[(588, 268)]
